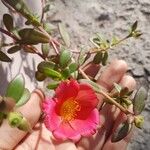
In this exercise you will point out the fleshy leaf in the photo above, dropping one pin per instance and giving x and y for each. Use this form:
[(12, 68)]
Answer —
[(45, 64), (39, 76), (14, 49), (21, 7), (15, 88), (64, 34), (73, 67), (65, 73), (98, 58), (45, 49), (51, 73), (65, 58), (24, 99), (121, 132), (32, 36), (139, 101), (4, 57), (53, 85), (104, 59), (14, 119), (25, 125), (134, 26), (8, 22)]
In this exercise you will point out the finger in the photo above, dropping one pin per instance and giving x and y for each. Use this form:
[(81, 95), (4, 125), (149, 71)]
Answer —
[(119, 117), (39, 139), (31, 110), (112, 74)]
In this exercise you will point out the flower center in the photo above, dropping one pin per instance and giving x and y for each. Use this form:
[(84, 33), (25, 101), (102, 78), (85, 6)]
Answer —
[(69, 109)]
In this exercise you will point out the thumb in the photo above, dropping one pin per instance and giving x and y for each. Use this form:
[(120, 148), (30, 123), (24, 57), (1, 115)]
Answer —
[(10, 137)]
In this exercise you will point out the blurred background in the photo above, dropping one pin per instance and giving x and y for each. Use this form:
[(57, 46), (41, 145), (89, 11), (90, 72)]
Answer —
[(107, 17)]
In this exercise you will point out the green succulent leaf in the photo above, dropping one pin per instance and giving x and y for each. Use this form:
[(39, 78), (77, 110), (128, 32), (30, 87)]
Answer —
[(25, 125), (52, 73), (45, 64), (134, 26), (14, 49), (66, 73), (104, 59), (139, 101), (32, 36), (15, 88), (49, 27), (53, 85), (98, 58), (45, 49), (64, 34), (4, 57), (21, 7), (121, 132), (114, 40), (24, 99), (65, 58), (73, 67), (8, 22), (39, 76), (14, 119), (83, 56)]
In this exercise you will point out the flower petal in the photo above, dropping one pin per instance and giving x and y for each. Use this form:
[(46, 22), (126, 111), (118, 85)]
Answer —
[(51, 120), (67, 89), (87, 100), (87, 127), (65, 131)]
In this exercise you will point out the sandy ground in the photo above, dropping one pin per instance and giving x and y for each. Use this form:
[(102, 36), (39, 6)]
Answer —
[(107, 17)]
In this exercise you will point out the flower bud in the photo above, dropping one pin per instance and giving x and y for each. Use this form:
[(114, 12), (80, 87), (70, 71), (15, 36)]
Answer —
[(24, 125), (139, 120), (14, 119)]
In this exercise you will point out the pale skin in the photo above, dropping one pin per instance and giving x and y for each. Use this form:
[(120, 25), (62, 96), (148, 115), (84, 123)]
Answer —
[(41, 139)]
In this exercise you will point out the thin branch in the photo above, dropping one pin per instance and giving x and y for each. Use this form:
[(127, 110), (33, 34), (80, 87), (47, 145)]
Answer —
[(95, 50), (8, 33), (114, 102), (42, 15)]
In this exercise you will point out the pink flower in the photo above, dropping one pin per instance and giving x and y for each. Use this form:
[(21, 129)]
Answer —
[(72, 112)]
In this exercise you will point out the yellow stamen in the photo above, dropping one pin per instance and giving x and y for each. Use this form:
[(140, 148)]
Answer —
[(69, 109)]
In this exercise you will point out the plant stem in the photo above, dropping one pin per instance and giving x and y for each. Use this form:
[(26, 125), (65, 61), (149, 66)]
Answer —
[(114, 102), (42, 15), (8, 34), (23, 46), (95, 50)]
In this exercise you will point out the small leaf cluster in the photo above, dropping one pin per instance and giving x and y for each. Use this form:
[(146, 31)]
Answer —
[(16, 96), (135, 119), (121, 95), (134, 32), (58, 68)]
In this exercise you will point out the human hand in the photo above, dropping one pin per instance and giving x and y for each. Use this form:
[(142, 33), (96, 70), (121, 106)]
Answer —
[(41, 138)]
